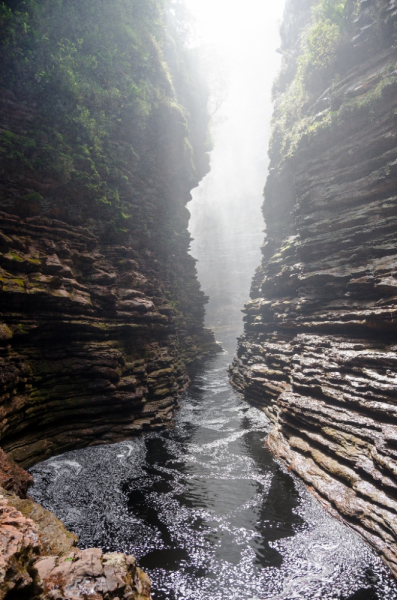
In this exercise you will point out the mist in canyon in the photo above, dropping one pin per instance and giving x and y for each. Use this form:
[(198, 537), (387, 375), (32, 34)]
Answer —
[(203, 505), (238, 42)]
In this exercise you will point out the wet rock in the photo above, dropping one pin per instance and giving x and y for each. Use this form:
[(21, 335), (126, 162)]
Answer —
[(13, 478), (19, 549), (53, 536), (318, 354), (85, 288), (66, 342), (91, 575), (38, 560), (101, 311)]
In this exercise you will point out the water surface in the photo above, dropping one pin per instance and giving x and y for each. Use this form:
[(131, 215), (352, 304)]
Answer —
[(207, 511)]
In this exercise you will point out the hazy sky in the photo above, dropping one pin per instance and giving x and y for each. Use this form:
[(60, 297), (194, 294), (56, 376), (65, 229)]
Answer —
[(227, 22), (241, 38)]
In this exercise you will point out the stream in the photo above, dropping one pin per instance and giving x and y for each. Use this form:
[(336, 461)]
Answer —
[(207, 511)]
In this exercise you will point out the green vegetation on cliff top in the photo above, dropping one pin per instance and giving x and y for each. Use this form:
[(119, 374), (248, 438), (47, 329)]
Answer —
[(322, 54), (110, 83)]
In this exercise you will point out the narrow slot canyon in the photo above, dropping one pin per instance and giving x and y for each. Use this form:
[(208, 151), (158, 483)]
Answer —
[(197, 375)]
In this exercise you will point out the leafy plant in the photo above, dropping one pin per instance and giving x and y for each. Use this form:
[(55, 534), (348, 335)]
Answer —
[(99, 74), (321, 44)]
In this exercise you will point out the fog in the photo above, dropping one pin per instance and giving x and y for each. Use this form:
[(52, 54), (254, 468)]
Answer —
[(239, 39)]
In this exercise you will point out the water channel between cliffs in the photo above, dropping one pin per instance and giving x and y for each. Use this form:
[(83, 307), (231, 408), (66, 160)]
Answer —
[(206, 509)]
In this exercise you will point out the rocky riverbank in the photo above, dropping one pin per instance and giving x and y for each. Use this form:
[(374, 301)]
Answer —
[(319, 354), (39, 558)]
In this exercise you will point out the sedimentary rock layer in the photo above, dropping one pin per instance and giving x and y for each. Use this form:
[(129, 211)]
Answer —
[(90, 348), (319, 352), (101, 141)]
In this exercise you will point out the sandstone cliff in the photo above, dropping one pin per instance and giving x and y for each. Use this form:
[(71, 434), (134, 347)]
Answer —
[(102, 136), (319, 352)]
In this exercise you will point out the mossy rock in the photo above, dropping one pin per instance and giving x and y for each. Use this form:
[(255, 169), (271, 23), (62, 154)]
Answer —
[(29, 205)]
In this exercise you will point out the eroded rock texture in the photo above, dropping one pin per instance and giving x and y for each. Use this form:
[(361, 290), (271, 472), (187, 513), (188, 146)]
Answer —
[(91, 351), (13, 478), (19, 549), (100, 307), (39, 559), (27, 572), (91, 574), (319, 352), (102, 138)]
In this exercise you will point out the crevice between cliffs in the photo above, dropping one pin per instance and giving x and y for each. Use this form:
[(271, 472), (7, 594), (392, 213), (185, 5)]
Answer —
[(101, 311)]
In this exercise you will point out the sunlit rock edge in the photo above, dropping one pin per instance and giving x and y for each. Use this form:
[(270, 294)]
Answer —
[(319, 353)]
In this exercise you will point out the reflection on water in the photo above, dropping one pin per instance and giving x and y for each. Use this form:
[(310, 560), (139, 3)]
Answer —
[(208, 512)]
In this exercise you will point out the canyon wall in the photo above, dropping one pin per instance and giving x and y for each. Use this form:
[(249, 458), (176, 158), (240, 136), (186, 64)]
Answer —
[(102, 136), (319, 351), (103, 126)]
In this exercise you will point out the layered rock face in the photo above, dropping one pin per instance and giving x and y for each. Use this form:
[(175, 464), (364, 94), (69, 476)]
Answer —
[(102, 137), (101, 140), (319, 352), (91, 350)]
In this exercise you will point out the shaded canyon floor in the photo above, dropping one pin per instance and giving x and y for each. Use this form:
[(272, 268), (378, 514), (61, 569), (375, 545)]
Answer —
[(207, 510)]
